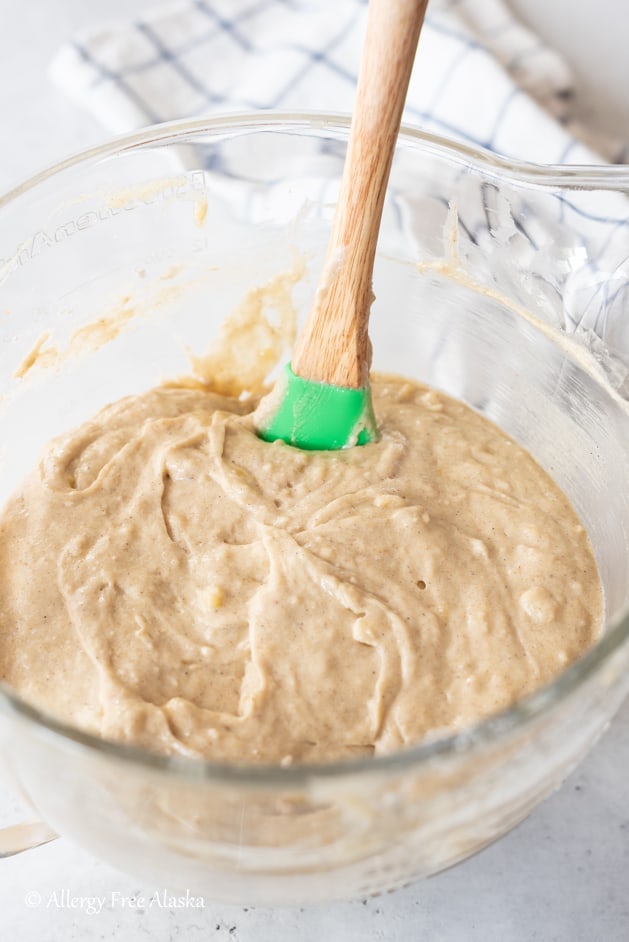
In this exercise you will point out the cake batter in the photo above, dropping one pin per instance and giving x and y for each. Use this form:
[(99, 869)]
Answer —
[(168, 579)]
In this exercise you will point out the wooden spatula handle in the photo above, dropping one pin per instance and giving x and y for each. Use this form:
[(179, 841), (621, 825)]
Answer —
[(334, 346)]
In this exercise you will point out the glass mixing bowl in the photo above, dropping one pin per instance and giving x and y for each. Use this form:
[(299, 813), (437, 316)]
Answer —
[(502, 284)]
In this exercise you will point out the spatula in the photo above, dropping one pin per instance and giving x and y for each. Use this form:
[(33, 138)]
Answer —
[(322, 401)]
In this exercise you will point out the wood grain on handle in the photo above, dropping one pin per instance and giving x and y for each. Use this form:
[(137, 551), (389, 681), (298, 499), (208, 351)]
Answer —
[(334, 345)]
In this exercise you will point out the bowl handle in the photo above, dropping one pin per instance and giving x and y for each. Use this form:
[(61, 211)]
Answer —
[(24, 836)]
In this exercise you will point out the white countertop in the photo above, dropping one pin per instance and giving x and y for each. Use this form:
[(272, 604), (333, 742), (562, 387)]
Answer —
[(563, 875)]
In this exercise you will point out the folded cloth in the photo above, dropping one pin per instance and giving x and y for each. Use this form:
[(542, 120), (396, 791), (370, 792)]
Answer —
[(480, 75)]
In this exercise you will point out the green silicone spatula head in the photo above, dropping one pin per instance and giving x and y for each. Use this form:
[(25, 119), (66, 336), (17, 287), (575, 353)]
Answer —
[(317, 416), (323, 399)]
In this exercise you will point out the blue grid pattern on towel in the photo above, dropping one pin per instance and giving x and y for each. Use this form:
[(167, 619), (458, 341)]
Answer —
[(222, 55), (217, 56), (173, 57)]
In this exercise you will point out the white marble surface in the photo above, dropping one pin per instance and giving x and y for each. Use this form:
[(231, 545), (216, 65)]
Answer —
[(563, 875)]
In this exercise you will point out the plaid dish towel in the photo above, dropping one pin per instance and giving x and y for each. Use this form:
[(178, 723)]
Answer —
[(480, 76)]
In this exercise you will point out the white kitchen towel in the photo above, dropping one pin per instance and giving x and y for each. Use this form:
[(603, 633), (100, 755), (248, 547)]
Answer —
[(480, 75)]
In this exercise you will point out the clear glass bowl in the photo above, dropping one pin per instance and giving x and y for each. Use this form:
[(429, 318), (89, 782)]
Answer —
[(520, 309)]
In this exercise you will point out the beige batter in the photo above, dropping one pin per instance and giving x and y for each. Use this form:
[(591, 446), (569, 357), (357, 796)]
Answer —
[(168, 579)]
